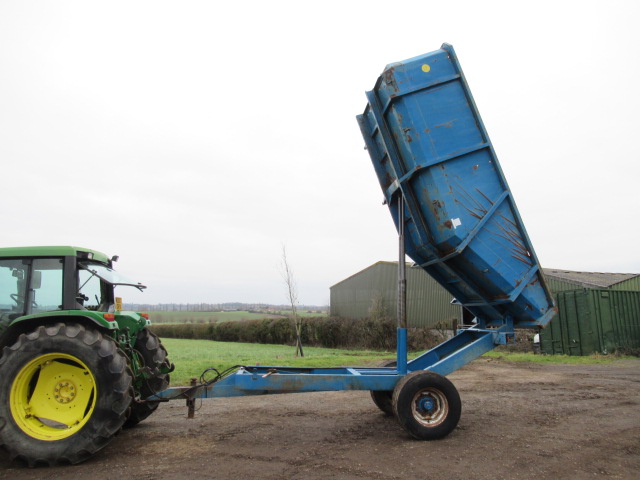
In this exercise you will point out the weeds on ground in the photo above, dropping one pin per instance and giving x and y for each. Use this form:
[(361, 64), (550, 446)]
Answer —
[(595, 359)]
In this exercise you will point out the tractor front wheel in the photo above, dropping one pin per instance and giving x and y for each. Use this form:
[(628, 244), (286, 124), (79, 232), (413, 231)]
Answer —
[(65, 391)]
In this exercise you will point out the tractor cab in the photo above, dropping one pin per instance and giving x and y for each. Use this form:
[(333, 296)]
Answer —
[(35, 280)]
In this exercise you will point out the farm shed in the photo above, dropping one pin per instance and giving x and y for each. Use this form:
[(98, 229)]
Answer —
[(376, 288), (597, 313)]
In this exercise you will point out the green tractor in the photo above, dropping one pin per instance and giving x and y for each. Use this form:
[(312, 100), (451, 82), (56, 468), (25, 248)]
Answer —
[(74, 367)]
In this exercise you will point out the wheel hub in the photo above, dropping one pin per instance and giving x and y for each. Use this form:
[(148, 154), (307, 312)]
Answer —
[(65, 391), (426, 405), (429, 407)]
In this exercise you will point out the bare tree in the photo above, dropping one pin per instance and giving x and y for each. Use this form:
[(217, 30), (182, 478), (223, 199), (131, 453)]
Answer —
[(292, 293)]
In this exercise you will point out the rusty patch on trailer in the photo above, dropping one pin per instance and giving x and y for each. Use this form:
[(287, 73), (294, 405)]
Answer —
[(484, 196), (448, 124), (407, 135), (511, 234), (389, 78), (471, 204), (435, 205)]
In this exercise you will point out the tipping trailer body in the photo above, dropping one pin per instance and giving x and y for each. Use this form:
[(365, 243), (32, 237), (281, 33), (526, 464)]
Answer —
[(435, 164), (428, 145)]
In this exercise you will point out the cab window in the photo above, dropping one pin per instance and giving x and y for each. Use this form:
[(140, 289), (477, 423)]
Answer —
[(90, 292), (45, 290), (13, 287)]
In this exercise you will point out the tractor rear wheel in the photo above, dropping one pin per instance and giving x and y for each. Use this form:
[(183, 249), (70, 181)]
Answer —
[(65, 392), (153, 358)]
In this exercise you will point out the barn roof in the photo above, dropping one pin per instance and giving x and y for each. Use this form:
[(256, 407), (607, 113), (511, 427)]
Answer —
[(380, 262), (584, 279), (589, 279)]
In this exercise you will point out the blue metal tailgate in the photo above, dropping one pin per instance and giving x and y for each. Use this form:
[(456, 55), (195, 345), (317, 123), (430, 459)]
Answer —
[(428, 144)]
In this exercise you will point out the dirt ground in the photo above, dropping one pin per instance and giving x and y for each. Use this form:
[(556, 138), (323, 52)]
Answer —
[(518, 421)]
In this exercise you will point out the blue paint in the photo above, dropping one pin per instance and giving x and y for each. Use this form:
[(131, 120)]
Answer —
[(402, 350), (426, 405)]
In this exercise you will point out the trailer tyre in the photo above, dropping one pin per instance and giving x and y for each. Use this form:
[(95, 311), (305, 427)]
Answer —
[(427, 405), (384, 398), (65, 392), (153, 357)]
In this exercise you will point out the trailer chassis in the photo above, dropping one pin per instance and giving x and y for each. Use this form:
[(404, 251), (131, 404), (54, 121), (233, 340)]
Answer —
[(443, 359), (426, 404)]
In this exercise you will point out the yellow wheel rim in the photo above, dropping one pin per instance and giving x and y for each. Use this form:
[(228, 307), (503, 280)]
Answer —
[(53, 396)]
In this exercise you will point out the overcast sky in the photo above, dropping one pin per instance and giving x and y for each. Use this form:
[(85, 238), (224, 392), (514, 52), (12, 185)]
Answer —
[(194, 139)]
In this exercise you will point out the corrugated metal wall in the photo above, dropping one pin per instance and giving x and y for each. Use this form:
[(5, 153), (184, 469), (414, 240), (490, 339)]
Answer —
[(591, 321), (427, 302)]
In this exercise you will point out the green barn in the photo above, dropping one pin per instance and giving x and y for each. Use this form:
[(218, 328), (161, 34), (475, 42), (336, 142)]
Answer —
[(597, 312), (374, 290)]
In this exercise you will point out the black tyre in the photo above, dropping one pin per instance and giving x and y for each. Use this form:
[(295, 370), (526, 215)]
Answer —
[(383, 398), (65, 392), (153, 357), (427, 405)]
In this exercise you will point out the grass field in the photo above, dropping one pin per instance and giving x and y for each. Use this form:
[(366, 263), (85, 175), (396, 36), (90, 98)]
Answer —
[(212, 317), (192, 357)]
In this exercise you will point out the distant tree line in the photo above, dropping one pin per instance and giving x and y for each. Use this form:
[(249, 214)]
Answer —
[(218, 307)]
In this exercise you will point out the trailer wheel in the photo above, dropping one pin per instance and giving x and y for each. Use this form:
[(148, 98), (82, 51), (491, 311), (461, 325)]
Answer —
[(65, 392), (153, 356), (427, 405), (383, 398)]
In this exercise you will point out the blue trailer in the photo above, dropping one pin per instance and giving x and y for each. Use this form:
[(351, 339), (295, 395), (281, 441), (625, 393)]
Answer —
[(457, 219)]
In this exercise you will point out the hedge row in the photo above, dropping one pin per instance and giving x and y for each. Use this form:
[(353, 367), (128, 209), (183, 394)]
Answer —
[(375, 334)]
